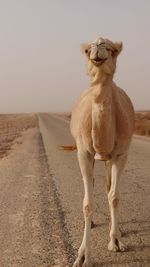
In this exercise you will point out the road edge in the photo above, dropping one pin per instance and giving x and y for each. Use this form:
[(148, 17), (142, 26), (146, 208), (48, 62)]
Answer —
[(69, 250)]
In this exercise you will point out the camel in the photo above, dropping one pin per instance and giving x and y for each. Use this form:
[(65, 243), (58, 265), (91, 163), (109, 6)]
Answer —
[(102, 124)]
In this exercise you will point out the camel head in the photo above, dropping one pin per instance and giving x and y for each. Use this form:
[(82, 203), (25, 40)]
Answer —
[(102, 54)]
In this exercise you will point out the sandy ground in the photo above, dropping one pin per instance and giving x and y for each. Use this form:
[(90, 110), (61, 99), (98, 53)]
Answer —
[(30, 228), (142, 123), (11, 127)]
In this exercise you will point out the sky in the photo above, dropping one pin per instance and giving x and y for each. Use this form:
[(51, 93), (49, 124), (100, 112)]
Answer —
[(41, 66)]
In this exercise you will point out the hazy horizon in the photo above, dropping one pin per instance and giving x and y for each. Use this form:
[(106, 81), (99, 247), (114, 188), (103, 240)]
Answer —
[(42, 68)]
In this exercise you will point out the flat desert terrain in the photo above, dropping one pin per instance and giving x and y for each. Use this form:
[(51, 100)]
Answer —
[(41, 220), (142, 123), (12, 127)]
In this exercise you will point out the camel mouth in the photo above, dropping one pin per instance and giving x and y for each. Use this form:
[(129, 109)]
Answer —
[(98, 61)]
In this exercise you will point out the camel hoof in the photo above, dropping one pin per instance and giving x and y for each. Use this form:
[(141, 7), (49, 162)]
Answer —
[(113, 247), (122, 247), (80, 262), (116, 246)]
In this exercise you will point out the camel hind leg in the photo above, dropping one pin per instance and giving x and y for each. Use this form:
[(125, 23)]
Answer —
[(113, 198), (108, 166)]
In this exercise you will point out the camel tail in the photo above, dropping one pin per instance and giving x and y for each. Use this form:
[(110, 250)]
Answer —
[(68, 148)]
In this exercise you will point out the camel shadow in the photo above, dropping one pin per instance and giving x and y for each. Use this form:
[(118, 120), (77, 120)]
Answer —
[(140, 230)]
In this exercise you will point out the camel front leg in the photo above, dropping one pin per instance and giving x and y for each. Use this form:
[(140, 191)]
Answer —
[(86, 166), (113, 197)]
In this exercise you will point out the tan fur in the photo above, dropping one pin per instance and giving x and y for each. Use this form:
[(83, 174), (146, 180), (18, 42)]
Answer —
[(103, 119), (68, 148), (87, 210), (102, 122)]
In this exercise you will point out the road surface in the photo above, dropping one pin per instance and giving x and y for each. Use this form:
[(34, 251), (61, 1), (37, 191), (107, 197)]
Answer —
[(41, 221), (134, 206)]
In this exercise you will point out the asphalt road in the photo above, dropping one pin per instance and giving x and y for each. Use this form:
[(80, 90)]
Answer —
[(68, 195)]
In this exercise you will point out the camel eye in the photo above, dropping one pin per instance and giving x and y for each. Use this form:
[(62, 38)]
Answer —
[(86, 51), (110, 50)]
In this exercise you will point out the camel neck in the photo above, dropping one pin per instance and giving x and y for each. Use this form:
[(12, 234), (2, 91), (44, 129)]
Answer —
[(101, 82), (100, 76), (101, 91)]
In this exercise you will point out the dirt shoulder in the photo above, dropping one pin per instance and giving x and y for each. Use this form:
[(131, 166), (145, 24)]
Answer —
[(12, 127), (31, 232)]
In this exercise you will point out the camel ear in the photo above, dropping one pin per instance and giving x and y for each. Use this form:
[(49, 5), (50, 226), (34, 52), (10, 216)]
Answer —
[(118, 48), (85, 48)]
